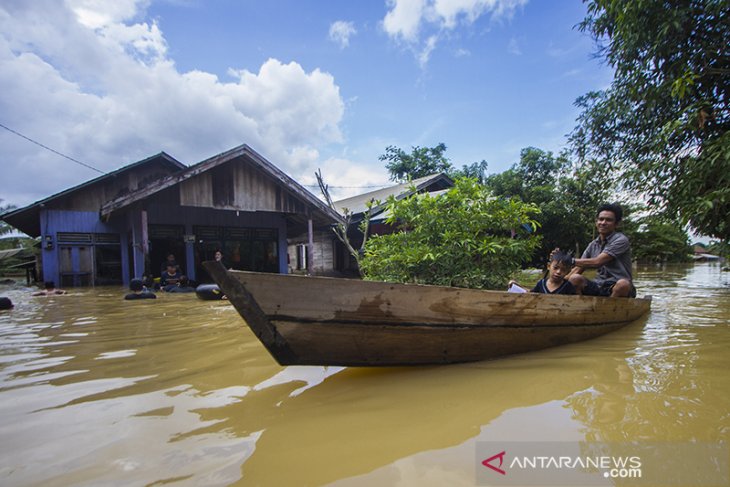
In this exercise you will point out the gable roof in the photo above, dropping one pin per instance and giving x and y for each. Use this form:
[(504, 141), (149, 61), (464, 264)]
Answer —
[(243, 150), (357, 205), (27, 219)]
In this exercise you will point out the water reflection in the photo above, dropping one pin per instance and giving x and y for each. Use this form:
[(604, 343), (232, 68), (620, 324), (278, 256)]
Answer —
[(673, 384), (96, 390)]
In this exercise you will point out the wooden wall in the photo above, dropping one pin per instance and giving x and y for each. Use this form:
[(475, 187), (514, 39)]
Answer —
[(237, 185), (94, 196), (323, 252)]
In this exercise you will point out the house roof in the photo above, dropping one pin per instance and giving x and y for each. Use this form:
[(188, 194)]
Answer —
[(27, 219), (244, 150), (359, 204)]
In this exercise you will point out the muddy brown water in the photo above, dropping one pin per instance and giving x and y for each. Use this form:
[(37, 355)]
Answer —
[(98, 391)]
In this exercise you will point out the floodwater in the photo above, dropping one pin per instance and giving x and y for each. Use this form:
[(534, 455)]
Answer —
[(98, 391)]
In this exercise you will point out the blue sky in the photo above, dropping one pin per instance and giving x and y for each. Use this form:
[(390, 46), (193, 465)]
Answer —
[(308, 84)]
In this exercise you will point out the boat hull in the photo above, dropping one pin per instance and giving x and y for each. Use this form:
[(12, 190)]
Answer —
[(325, 321)]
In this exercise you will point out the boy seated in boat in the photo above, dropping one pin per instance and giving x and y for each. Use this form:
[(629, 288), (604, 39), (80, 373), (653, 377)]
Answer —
[(554, 282)]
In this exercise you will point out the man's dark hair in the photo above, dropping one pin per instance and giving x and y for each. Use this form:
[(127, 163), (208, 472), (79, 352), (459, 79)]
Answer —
[(614, 208), (136, 285), (49, 284), (5, 303)]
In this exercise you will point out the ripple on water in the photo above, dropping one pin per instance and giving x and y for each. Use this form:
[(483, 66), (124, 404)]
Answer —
[(95, 390)]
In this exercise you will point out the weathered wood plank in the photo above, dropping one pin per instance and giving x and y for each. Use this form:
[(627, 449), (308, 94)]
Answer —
[(325, 321)]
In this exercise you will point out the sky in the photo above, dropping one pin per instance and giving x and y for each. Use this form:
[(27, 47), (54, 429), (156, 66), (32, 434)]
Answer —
[(308, 84)]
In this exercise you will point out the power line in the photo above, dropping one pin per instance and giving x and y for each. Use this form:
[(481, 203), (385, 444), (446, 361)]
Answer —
[(347, 187), (52, 150), (102, 172)]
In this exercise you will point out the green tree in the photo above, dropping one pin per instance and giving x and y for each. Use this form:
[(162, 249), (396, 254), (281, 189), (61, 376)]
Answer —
[(662, 126), (422, 161), (4, 227), (463, 238), (566, 195), (654, 239), (475, 170)]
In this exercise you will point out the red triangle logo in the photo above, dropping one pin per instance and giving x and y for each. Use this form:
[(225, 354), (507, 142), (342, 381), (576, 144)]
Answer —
[(487, 463)]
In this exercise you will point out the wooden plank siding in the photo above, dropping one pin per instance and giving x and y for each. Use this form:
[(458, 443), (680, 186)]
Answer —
[(92, 198), (238, 186), (323, 253)]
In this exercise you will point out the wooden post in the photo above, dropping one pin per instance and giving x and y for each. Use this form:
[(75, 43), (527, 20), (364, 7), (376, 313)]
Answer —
[(310, 247), (145, 242)]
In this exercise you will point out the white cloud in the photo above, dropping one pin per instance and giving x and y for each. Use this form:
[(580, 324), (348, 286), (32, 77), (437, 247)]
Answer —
[(428, 48), (93, 80), (346, 179), (341, 31), (513, 47), (404, 18), (420, 24)]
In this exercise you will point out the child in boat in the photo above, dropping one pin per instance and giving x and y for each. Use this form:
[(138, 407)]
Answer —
[(554, 282)]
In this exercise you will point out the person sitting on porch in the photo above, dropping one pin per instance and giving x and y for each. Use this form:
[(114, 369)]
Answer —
[(50, 290), (170, 277), (170, 260), (138, 291), (183, 286)]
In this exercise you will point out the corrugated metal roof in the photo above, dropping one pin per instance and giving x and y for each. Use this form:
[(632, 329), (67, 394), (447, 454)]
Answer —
[(358, 204)]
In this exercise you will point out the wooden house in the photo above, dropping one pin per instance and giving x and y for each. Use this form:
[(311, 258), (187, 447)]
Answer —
[(124, 224)]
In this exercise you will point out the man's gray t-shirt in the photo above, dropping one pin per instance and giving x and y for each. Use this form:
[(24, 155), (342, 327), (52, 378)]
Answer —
[(617, 246)]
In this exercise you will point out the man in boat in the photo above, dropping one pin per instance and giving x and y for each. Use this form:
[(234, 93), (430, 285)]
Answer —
[(610, 253)]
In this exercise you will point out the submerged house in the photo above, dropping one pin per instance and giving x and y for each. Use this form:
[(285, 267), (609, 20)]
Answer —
[(123, 224)]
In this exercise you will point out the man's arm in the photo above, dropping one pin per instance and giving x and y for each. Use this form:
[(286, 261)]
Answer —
[(602, 259), (593, 262)]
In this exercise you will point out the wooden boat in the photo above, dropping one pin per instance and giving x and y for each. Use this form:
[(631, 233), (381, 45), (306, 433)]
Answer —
[(330, 321)]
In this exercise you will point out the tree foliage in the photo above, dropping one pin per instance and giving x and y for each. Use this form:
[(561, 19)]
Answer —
[(566, 195), (656, 239), (5, 229), (463, 238), (662, 126), (424, 161)]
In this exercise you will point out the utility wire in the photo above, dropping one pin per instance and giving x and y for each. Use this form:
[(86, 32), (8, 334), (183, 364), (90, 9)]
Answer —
[(52, 150), (102, 172), (347, 187)]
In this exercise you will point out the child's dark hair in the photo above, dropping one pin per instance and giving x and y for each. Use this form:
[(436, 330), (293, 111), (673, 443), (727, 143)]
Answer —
[(562, 258)]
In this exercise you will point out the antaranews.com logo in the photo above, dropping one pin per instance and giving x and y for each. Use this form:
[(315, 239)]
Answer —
[(586, 464), (612, 467)]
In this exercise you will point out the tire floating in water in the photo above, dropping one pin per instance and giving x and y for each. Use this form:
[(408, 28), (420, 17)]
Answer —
[(209, 292)]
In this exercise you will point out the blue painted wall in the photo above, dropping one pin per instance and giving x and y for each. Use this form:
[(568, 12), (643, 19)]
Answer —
[(54, 221)]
